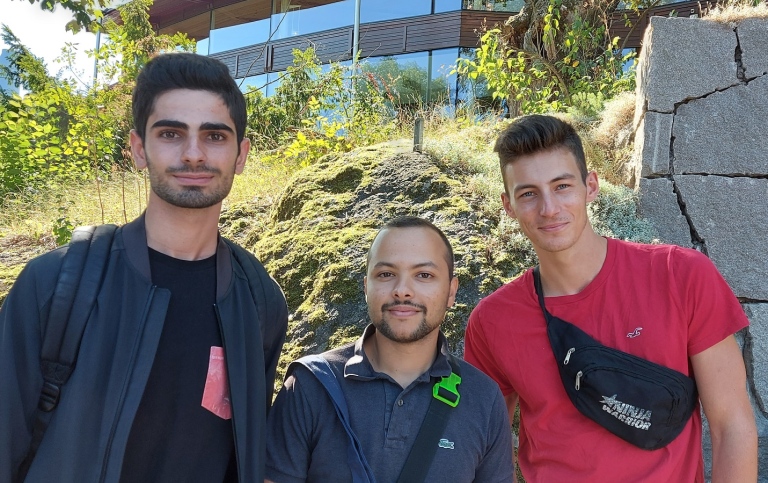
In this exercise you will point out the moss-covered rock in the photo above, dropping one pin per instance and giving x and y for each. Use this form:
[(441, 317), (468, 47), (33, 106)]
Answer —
[(320, 229)]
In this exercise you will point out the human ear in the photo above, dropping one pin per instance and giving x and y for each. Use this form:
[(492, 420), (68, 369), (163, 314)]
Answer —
[(508, 205), (593, 186), (137, 150), (242, 156), (452, 293)]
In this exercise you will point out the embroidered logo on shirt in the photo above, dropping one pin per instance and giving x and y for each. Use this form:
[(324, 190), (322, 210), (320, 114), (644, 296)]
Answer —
[(216, 392), (444, 443), (634, 334)]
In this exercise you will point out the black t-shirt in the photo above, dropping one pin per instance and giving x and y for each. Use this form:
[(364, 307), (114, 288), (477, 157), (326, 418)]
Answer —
[(174, 437)]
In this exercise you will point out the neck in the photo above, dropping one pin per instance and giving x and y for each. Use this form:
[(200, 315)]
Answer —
[(183, 233), (402, 362), (570, 271)]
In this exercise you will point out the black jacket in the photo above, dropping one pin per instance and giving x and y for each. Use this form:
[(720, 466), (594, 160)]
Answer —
[(86, 439)]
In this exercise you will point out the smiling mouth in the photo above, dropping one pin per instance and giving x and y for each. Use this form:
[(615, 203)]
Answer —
[(403, 312), (553, 227), (403, 309), (193, 179)]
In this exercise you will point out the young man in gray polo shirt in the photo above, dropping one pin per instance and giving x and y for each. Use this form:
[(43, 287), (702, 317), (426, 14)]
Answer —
[(387, 378)]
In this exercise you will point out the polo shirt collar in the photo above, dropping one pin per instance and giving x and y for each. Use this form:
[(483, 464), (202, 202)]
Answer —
[(359, 366)]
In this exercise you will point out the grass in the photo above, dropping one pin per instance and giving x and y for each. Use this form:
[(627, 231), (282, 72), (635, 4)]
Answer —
[(733, 12), (118, 198), (463, 142)]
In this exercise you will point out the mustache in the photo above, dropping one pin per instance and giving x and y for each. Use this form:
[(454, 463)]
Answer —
[(389, 305), (189, 169)]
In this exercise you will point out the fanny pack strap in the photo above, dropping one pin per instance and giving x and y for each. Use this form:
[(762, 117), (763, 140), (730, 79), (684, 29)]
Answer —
[(540, 293)]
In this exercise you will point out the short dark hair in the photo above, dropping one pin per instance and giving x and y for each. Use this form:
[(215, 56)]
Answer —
[(182, 70), (536, 133), (415, 222)]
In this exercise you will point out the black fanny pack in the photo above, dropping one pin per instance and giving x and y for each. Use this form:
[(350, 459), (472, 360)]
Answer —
[(641, 402)]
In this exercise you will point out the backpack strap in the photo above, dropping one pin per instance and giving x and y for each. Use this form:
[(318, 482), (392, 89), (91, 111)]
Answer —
[(445, 397), (319, 366), (77, 286)]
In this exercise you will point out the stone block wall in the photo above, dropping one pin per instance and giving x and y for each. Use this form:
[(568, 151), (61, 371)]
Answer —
[(700, 165)]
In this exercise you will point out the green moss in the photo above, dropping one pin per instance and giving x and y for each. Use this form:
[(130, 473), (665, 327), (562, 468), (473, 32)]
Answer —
[(334, 176), (454, 323), (309, 257), (453, 206), (7, 277), (344, 335)]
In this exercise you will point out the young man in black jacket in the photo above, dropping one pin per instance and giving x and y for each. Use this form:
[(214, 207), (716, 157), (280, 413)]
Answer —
[(176, 367)]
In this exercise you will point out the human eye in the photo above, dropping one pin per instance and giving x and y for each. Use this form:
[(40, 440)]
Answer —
[(424, 275), (385, 275), (562, 186), (525, 194), (168, 134), (217, 136)]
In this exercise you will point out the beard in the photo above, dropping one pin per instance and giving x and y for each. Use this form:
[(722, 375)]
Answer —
[(421, 331), (190, 196)]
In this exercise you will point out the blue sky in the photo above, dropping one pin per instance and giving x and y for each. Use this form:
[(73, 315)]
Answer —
[(44, 33)]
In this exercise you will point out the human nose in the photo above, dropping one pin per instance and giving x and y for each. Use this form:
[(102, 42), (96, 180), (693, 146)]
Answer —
[(193, 152), (549, 205), (402, 289)]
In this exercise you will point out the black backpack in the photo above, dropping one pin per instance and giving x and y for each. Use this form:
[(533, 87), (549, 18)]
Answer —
[(78, 284), (82, 270)]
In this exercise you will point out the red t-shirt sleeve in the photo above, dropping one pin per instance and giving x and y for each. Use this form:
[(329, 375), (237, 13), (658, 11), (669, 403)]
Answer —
[(480, 353), (714, 312)]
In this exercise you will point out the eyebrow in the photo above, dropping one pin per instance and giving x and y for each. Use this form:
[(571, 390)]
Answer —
[(418, 265), (215, 126), (562, 177), (206, 126)]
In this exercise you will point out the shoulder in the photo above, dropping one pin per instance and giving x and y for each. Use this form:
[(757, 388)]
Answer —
[(245, 258), (336, 358), (472, 376), (246, 266), (516, 291), (677, 261), (657, 251), (40, 273), (340, 355)]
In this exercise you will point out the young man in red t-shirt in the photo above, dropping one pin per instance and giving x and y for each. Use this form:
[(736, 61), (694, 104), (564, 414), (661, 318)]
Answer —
[(664, 303)]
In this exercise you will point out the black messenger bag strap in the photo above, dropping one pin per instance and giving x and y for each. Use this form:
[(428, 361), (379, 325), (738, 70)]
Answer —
[(321, 369), (77, 286), (445, 397), (540, 293)]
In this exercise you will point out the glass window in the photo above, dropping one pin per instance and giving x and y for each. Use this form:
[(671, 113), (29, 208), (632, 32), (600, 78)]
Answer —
[(471, 92), (494, 5), (378, 10), (442, 83), (296, 20), (447, 5), (405, 77), (237, 36)]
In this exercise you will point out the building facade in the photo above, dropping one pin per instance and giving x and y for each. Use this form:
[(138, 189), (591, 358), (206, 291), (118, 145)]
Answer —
[(256, 38)]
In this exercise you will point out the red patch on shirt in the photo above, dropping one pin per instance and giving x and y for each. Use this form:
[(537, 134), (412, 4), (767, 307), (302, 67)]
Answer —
[(216, 392)]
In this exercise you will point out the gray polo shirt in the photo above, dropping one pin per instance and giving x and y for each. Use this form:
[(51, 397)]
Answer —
[(306, 441)]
